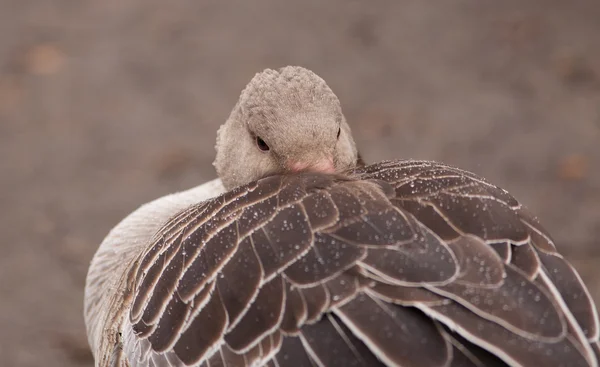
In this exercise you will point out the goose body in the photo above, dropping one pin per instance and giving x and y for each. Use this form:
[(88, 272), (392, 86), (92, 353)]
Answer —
[(399, 263)]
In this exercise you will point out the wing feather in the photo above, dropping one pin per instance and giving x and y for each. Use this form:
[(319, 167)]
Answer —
[(379, 267), (383, 328)]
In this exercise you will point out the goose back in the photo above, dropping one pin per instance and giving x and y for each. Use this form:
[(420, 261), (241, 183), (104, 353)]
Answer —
[(400, 263)]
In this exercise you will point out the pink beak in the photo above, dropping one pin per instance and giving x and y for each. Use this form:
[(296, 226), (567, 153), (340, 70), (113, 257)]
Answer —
[(324, 165)]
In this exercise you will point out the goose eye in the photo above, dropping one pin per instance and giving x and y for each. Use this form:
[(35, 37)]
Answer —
[(262, 145), (339, 132)]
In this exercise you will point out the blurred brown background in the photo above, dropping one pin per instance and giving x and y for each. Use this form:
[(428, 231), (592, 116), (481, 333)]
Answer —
[(105, 105)]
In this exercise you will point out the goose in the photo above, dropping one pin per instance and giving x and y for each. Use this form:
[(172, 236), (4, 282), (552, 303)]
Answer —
[(299, 254)]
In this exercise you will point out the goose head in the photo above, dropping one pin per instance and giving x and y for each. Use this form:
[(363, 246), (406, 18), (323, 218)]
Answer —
[(285, 121)]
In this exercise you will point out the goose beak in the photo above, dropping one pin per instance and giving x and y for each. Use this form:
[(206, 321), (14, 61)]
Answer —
[(323, 165)]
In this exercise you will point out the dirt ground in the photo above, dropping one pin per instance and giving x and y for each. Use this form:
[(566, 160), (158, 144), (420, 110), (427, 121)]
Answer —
[(105, 105)]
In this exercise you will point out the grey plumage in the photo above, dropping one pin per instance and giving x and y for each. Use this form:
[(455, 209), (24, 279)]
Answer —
[(399, 263), (363, 272)]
